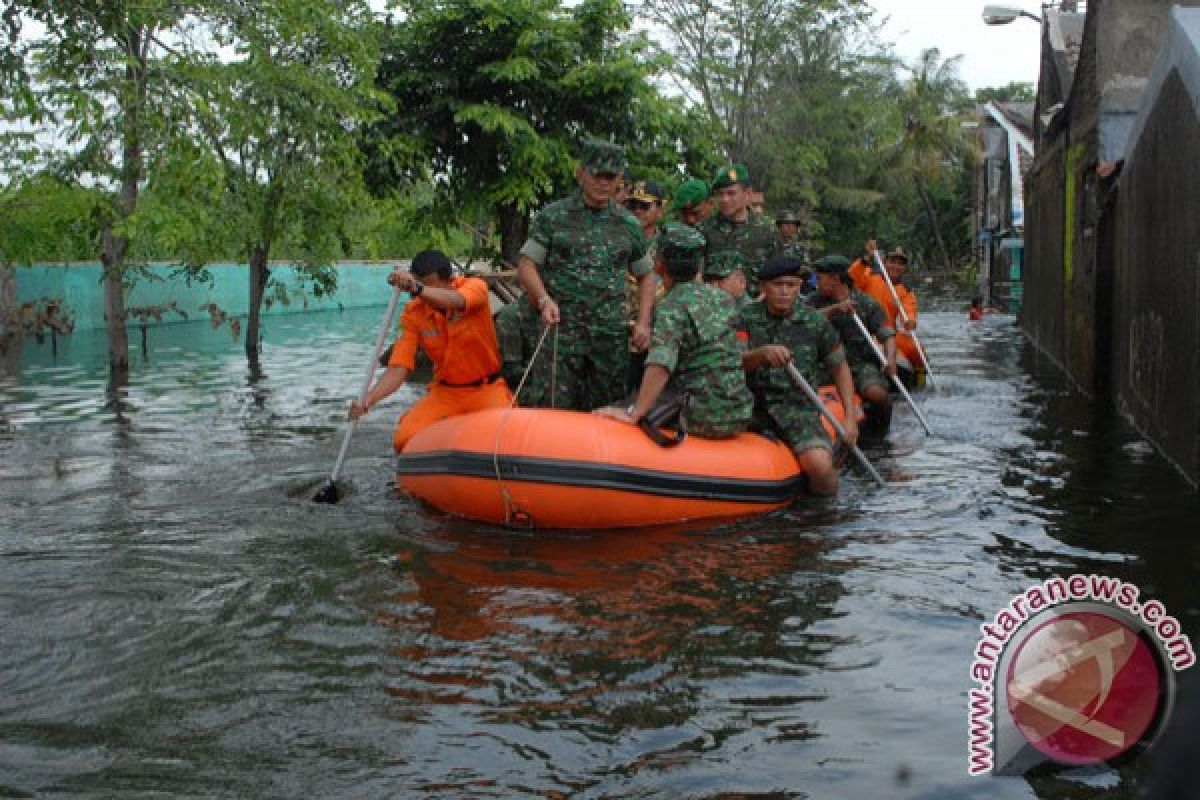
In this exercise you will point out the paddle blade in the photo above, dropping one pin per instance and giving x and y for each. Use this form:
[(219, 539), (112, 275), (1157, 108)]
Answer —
[(327, 494)]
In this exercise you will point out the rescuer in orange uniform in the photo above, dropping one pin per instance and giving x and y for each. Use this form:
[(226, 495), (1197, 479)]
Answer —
[(451, 320), (870, 282)]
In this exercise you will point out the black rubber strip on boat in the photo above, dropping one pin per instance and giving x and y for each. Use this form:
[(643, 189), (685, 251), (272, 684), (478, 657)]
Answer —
[(593, 475)]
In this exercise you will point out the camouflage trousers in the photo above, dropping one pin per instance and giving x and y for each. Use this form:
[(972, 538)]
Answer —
[(580, 367), (511, 337), (798, 423)]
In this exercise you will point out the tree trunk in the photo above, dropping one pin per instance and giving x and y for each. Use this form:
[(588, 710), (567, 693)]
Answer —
[(514, 229), (933, 224), (113, 260), (260, 272)]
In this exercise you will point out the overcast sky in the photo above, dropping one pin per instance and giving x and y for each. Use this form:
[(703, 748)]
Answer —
[(992, 56)]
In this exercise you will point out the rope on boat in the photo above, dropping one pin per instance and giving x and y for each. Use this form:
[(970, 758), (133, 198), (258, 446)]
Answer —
[(508, 508)]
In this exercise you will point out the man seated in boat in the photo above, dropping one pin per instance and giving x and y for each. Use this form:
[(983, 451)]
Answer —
[(450, 319), (839, 302), (781, 330), (870, 281), (694, 351)]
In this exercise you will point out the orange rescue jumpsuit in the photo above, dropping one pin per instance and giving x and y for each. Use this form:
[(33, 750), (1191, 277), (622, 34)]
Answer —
[(872, 283), (466, 359)]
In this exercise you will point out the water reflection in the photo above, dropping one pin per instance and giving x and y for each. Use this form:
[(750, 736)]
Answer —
[(659, 649)]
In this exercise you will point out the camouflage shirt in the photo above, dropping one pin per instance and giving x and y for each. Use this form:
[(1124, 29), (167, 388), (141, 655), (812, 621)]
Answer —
[(815, 348), (583, 254), (756, 239), (695, 340), (858, 349)]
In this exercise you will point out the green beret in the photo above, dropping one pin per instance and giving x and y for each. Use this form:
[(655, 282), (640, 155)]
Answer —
[(832, 265), (598, 156), (729, 175), (690, 192), (677, 241), (724, 263), (780, 266)]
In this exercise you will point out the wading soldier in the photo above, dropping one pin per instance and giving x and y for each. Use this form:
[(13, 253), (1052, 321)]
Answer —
[(734, 227), (780, 330), (572, 269), (694, 354), (838, 301)]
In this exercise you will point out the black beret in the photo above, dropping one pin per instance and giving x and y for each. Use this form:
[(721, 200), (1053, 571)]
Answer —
[(779, 266)]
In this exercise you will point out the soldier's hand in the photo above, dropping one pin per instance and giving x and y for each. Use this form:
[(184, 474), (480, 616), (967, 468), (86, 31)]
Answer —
[(889, 369), (641, 337), (847, 306), (850, 426), (356, 410), (777, 355), (614, 412), (550, 313)]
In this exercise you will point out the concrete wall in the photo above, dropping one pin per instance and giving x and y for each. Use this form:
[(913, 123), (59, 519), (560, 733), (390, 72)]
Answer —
[(1156, 261), (78, 285)]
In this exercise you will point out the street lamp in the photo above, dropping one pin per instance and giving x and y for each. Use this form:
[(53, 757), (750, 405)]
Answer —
[(1002, 15)]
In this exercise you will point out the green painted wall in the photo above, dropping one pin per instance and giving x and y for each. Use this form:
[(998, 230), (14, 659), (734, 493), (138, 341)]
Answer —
[(78, 285)]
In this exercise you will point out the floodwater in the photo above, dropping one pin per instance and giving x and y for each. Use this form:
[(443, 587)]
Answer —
[(177, 619)]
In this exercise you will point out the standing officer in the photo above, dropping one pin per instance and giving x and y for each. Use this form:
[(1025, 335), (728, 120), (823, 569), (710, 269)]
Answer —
[(734, 227), (572, 269)]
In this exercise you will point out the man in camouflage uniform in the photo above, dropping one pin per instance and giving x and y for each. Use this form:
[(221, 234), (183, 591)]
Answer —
[(724, 271), (694, 352), (838, 301), (572, 269), (780, 330), (735, 228), (788, 225), (692, 201)]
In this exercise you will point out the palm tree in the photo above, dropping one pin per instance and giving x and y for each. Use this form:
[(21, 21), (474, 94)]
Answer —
[(932, 137)]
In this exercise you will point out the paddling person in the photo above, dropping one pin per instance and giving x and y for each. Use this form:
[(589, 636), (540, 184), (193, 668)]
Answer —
[(694, 356), (838, 302), (449, 317), (867, 279), (781, 330), (572, 269)]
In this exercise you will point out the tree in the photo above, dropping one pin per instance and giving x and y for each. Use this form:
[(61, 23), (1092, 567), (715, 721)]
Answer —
[(282, 118), (1014, 92), (493, 95), (100, 75), (933, 139)]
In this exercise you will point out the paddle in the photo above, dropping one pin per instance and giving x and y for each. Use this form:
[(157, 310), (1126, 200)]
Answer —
[(904, 316), (329, 492), (805, 387), (899, 384)]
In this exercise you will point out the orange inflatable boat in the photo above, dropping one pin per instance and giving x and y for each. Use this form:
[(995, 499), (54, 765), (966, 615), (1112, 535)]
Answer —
[(567, 469)]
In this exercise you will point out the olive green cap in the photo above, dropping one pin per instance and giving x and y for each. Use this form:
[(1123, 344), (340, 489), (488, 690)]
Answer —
[(690, 192), (599, 156), (729, 175), (679, 242), (723, 263), (786, 216), (832, 264)]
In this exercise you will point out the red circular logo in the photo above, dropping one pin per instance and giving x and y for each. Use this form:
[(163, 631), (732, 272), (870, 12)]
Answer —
[(1084, 687)]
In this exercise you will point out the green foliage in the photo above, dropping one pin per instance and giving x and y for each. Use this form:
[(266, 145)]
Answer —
[(45, 219), (492, 98), (1015, 92)]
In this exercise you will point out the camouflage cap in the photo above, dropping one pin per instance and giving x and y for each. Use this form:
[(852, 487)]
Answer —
[(780, 266), (723, 263), (832, 265), (785, 215), (679, 242), (599, 156), (690, 192), (729, 175), (898, 252)]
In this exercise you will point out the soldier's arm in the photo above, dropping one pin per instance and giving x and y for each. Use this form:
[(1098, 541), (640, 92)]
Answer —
[(645, 303), (844, 382)]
